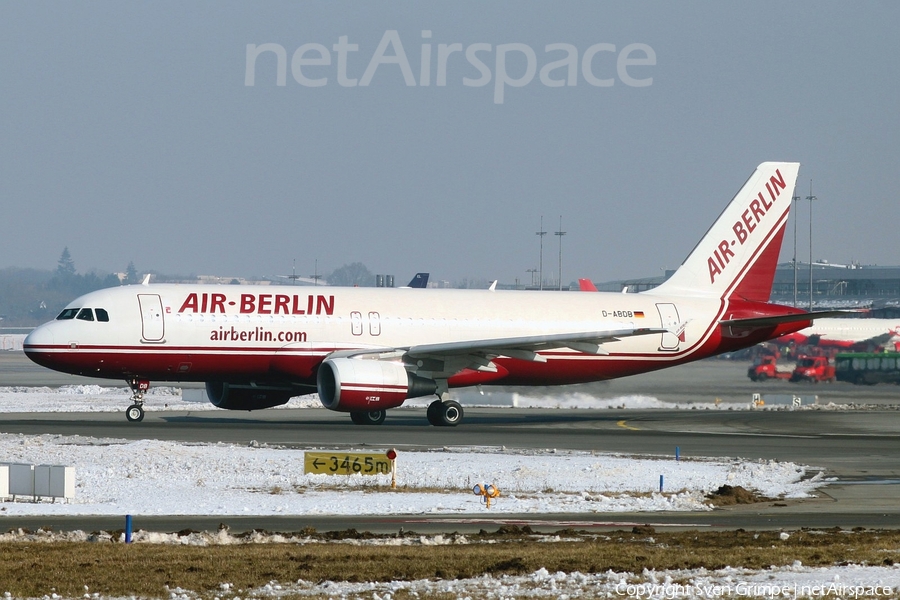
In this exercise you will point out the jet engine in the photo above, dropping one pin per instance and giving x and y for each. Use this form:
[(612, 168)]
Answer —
[(247, 397), (351, 384)]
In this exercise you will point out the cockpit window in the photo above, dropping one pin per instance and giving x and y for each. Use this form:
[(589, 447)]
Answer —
[(84, 314)]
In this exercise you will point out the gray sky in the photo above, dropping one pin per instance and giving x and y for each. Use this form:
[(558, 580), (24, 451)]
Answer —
[(128, 133)]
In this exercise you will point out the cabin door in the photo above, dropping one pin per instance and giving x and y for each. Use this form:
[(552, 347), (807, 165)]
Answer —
[(153, 324), (668, 317)]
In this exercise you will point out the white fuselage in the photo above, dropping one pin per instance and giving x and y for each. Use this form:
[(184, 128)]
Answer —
[(197, 332)]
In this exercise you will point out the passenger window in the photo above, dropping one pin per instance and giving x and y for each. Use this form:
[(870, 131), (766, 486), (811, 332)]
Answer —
[(85, 314), (102, 315), (67, 314)]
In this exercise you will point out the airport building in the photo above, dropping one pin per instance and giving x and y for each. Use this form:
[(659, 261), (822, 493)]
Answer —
[(833, 286)]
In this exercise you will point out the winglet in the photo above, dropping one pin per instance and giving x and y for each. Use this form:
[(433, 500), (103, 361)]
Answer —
[(146, 279)]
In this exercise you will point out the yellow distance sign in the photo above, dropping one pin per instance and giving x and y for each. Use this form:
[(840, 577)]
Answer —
[(346, 463)]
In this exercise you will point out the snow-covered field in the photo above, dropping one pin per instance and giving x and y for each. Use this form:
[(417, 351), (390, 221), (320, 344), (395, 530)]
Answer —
[(96, 398), (154, 477), (149, 477), (792, 582)]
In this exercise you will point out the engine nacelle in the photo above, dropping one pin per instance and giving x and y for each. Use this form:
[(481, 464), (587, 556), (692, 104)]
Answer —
[(348, 384), (233, 396)]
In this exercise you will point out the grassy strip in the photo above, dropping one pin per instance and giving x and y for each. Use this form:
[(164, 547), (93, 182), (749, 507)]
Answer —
[(35, 569)]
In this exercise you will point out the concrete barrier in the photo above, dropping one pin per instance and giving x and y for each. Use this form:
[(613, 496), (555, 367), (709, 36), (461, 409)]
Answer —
[(37, 482), (194, 395), (12, 341), (4, 481)]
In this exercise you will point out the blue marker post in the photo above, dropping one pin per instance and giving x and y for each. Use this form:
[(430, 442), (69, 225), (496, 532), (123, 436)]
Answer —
[(127, 529), (677, 453), (660, 484)]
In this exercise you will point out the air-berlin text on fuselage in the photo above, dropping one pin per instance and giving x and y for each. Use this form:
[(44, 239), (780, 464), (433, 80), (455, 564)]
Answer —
[(259, 304), (743, 227)]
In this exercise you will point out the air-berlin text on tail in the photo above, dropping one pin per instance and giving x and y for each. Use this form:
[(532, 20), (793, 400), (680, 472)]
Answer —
[(259, 304), (744, 227)]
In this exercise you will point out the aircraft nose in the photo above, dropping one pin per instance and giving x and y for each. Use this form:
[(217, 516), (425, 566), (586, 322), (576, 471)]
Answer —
[(39, 338)]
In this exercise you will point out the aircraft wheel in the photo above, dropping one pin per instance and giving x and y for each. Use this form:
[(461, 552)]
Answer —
[(433, 413), (363, 417), (134, 413), (445, 414), (451, 413)]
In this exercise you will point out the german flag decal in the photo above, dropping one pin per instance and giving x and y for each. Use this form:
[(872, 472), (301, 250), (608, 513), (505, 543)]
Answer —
[(639, 314)]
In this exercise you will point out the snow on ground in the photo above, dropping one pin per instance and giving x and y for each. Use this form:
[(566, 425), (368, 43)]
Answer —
[(151, 477), (155, 477), (792, 582), (96, 398)]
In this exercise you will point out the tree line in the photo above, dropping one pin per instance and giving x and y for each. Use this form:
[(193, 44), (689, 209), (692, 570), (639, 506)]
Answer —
[(29, 297)]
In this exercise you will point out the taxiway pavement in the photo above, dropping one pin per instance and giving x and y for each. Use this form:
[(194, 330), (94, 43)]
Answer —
[(859, 447)]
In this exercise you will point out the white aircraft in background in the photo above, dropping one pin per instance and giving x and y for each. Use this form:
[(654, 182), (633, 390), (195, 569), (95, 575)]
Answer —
[(366, 350), (848, 334)]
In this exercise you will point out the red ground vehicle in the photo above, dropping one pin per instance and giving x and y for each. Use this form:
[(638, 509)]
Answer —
[(765, 367), (813, 368), (808, 368)]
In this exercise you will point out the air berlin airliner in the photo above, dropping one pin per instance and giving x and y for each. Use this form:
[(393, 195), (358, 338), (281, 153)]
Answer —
[(367, 350)]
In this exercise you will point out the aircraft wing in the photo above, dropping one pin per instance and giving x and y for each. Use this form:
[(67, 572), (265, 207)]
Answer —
[(445, 359), (532, 343)]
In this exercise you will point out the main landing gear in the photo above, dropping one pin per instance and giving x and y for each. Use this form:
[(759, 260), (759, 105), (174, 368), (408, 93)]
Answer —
[(135, 412), (441, 413), (362, 417), (445, 413)]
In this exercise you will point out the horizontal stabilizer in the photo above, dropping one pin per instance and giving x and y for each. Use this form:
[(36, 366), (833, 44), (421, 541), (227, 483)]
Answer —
[(781, 319)]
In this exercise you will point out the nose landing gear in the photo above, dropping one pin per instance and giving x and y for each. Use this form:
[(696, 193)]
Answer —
[(135, 412)]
